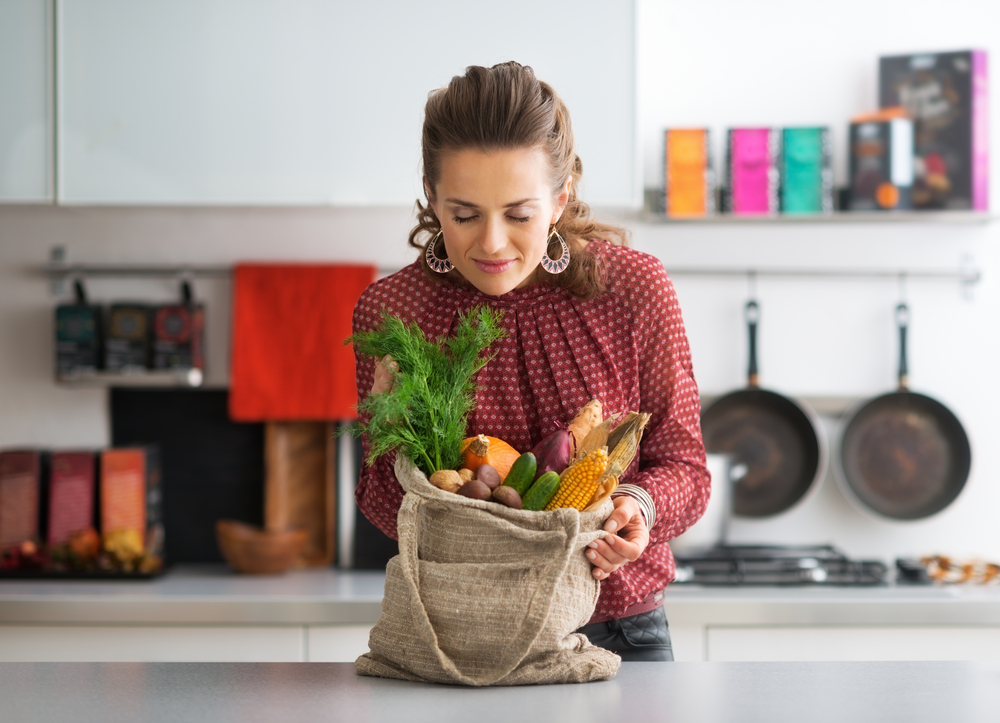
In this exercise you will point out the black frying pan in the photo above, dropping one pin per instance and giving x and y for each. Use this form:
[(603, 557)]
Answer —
[(777, 441), (903, 455)]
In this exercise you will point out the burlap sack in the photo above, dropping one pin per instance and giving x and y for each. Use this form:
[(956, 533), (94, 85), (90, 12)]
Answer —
[(481, 594)]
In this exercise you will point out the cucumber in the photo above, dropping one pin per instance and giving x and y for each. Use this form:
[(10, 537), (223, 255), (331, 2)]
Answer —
[(541, 492), (522, 472)]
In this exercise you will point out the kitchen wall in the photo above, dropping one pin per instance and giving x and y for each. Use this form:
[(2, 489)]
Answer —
[(719, 63)]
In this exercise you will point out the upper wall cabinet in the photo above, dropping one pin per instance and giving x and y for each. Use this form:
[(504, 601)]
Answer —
[(25, 107), (312, 101)]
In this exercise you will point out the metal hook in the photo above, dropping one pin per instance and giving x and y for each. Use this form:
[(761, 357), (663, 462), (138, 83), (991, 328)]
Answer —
[(752, 283)]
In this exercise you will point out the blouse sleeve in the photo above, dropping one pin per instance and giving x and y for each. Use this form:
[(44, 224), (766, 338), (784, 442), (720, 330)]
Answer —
[(378, 493), (671, 455)]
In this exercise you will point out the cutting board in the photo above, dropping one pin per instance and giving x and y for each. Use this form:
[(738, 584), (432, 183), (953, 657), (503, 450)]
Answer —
[(300, 463)]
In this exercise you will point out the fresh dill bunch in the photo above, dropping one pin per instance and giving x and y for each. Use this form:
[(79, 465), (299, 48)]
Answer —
[(424, 413)]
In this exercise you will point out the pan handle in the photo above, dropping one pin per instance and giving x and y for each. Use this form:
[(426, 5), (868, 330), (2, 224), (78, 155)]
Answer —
[(752, 314), (903, 321)]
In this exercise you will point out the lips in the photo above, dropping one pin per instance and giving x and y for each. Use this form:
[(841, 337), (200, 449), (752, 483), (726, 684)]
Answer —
[(494, 267)]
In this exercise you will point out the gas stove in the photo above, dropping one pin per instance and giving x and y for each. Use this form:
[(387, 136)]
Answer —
[(776, 565)]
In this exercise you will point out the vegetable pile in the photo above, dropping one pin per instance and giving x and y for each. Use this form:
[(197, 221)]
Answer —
[(425, 411), (570, 468)]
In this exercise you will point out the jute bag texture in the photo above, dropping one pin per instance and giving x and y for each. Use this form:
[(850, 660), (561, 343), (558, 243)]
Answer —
[(481, 594)]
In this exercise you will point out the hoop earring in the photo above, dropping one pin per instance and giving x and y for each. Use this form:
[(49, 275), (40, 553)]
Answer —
[(438, 264), (555, 266)]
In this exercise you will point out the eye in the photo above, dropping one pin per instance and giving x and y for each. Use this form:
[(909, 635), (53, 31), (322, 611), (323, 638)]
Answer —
[(462, 219), (520, 219)]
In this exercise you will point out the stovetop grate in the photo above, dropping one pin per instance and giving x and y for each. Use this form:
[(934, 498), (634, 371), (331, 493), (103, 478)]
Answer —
[(777, 565)]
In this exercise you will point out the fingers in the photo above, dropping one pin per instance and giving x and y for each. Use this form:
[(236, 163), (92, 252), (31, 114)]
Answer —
[(384, 374), (609, 554), (626, 509)]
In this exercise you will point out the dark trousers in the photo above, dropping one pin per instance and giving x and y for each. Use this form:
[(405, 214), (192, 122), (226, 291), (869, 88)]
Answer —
[(639, 637)]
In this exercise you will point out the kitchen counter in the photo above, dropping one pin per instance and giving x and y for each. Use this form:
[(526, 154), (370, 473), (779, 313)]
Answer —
[(214, 595), (210, 614), (678, 692), (200, 594)]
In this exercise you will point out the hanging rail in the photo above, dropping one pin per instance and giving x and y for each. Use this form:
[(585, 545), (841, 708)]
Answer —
[(57, 272)]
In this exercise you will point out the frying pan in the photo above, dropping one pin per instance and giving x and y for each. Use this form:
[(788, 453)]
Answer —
[(903, 455), (777, 440)]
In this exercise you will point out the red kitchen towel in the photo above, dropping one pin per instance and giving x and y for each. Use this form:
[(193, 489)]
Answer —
[(288, 358)]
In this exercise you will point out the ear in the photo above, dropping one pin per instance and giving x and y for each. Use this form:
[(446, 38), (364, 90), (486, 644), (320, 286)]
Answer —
[(427, 190), (562, 199)]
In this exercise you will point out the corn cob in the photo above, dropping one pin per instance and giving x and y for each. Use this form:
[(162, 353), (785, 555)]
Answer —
[(579, 482)]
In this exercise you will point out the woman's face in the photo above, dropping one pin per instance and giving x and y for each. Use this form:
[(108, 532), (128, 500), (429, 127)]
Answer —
[(495, 210)]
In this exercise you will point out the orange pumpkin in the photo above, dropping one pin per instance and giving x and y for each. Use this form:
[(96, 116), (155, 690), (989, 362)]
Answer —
[(488, 450)]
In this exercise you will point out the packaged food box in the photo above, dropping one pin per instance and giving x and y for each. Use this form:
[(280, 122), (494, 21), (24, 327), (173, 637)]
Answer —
[(690, 178), (178, 337), (71, 494), (126, 342), (881, 164), (78, 339), (131, 502), (752, 171), (20, 492), (806, 171), (945, 94)]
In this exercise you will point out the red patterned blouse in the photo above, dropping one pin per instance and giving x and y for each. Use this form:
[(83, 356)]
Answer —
[(627, 347)]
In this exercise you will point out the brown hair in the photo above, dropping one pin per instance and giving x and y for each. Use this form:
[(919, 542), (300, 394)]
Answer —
[(507, 107)]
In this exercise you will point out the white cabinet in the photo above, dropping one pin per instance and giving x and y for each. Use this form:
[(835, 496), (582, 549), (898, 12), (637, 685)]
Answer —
[(183, 643), (336, 643), (839, 643), (311, 101), (25, 107), (151, 644)]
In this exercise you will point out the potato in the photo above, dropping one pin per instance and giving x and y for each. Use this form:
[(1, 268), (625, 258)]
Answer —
[(476, 489), (488, 474), (507, 496), (466, 474), (446, 479)]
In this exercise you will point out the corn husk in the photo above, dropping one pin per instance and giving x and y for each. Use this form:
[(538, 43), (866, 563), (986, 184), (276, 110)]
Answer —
[(597, 438), (623, 441), (605, 486), (589, 416)]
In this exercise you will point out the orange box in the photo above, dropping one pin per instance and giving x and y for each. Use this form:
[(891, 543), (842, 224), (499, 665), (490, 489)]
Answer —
[(690, 180)]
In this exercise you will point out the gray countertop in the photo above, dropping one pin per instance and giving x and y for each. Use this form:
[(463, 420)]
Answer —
[(214, 595), (678, 692)]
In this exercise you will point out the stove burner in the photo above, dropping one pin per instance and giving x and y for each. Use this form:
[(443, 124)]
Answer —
[(776, 565)]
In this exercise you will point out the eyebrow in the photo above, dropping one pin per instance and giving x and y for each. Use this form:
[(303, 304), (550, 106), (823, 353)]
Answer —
[(460, 202)]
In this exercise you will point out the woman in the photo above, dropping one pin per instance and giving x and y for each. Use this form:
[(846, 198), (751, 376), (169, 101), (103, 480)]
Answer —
[(586, 317)]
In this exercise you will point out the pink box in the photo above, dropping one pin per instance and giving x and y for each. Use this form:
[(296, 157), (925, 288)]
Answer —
[(71, 494), (752, 176)]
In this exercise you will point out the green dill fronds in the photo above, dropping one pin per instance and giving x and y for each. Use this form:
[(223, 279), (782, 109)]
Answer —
[(425, 412)]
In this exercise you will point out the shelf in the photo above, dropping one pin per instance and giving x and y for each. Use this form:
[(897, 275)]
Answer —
[(936, 217), (167, 378)]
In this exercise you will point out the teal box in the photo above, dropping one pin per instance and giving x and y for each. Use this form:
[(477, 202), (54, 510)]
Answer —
[(806, 171)]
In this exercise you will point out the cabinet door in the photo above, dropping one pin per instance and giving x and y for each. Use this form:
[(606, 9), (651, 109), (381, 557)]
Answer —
[(150, 644), (314, 102), (336, 643), (25, 92), (853, 643)]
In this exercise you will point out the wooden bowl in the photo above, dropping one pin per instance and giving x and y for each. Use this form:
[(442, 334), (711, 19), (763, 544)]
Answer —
[(255, 551)]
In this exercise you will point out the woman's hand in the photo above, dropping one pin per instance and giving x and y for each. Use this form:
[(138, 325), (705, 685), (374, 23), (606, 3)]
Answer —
[(385, 369), (610, 553)]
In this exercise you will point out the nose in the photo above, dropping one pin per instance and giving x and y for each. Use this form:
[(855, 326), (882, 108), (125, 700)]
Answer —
[(493, 239)]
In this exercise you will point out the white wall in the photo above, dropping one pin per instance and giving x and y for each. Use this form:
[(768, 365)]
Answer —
[(709, 63), (782, 62)]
